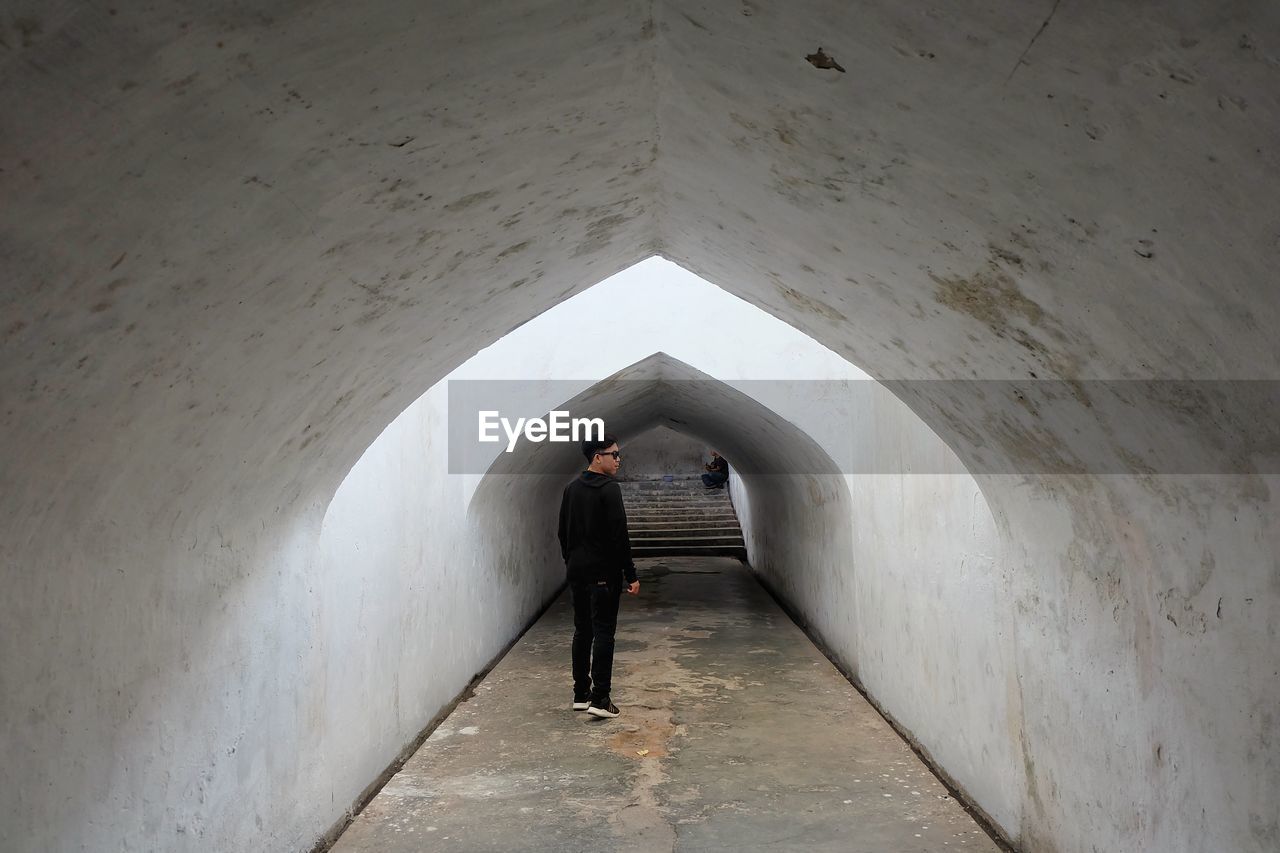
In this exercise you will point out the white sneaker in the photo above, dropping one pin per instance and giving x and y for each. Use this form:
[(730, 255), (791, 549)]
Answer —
[(609, 710)]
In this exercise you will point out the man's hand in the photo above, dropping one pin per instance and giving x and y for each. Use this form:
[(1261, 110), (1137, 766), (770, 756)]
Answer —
[(634, 589)]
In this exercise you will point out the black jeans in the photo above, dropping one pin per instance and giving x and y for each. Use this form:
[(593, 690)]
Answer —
[(595, 618)]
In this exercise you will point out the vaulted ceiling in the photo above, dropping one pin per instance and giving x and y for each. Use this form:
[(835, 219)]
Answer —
[(238, 239)]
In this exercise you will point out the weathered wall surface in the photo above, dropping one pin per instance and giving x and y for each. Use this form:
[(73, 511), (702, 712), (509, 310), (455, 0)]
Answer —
[(238, 243), (412, 599), (155, 687), (934, 622), (901, 581), (1145, 649), (662, 451)]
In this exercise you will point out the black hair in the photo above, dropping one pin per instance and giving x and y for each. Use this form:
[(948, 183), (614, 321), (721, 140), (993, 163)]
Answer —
[(591, 447)]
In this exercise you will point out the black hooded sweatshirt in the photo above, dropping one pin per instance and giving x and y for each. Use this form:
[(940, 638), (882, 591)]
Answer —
[(593, 531)]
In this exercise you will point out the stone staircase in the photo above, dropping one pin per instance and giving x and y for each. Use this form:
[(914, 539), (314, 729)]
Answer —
[(681, 518)]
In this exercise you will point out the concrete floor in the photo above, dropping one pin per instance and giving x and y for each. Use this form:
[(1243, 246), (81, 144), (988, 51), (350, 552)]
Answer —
[(736, 733)]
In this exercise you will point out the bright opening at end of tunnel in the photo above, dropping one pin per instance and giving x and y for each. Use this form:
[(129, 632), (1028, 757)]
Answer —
[(654, 309), (656, 306)]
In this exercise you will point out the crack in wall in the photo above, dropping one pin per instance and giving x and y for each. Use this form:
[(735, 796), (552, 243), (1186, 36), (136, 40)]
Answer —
[(1043, 26)]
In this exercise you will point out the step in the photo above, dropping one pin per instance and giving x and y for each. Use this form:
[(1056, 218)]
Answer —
[(716, 495), (677, 499), (680, 512), (690, 486), (683, 520), (675, 493), (652, 535), (687, 541), (664, 507), (651, 526), (683, 490), (719, 506), (697, 551), (681, 523), (660, 521), (677, 507)]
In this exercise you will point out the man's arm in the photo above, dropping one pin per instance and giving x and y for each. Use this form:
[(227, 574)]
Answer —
[(621, 537), (563, 531)]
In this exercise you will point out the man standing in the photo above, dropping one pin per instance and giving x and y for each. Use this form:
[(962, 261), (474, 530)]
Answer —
[(717, 472), (597, 556)]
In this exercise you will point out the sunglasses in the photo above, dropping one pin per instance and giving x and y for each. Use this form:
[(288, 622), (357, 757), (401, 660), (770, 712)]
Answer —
[(616, 454)]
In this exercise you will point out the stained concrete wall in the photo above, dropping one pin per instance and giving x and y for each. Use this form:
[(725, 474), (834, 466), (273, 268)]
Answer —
[(240, 242), (1145, 656), (413, 601), (906, 590), (906, 596)]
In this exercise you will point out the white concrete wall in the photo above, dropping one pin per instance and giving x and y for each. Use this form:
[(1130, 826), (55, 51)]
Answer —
[(1145, 650), (905, 587), (203, 671), (238, 242), (309, 666), (158, 690), (243, 698), (415, 600)]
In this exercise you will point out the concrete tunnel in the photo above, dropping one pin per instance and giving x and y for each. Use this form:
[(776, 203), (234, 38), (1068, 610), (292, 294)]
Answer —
[(775, 460), (241, 242)]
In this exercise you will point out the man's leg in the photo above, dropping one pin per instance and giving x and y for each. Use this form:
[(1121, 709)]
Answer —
[(706, 480), (604, 619), (583, 634)]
